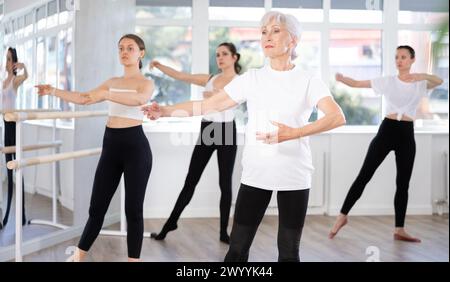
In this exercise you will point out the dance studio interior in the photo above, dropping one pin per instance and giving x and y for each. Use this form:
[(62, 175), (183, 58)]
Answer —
[(112, 108)]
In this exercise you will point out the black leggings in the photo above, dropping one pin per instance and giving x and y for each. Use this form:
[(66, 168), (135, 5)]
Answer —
[(10, 140), (251, 205), (393, 135), (220, 136), (127, 151)]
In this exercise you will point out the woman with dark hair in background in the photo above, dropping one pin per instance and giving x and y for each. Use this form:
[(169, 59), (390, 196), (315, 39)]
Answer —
[(403, 93), (9, 94), (217, 132)]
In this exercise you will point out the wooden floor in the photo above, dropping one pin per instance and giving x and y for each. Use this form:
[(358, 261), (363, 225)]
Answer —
[(198, 240)]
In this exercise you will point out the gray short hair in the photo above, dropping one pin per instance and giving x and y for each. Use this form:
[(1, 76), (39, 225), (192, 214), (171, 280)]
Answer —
[(292, 25)]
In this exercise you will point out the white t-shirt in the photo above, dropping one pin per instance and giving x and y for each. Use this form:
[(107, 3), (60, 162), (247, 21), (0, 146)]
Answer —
[(225, 116), (286, 97), (402, 97)]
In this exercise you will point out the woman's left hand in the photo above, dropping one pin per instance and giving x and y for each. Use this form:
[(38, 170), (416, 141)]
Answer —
[(284, 133), (18, 66)]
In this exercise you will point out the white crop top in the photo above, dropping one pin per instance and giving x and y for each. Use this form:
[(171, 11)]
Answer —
[(225, 116), (402, 98), (119, 110)]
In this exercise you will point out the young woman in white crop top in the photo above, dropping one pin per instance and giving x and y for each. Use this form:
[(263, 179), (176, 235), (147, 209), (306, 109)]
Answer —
[(280, 98), (125, 147), (403, 93), (214, 124), (9, 94)]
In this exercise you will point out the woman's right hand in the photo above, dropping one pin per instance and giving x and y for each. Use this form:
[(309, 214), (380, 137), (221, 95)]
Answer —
[(44, 89), (154, 64), (339, 77), (153, 111)]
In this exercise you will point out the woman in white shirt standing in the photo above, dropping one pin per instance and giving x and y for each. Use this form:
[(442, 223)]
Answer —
[(9, 94), (125, 147), (277, 157), (403, 93), (217, 132)]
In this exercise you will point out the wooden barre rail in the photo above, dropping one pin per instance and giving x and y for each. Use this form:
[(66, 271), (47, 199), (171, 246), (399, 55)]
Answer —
[(52, 158), (12, 149), (3, 112), (21, 116)]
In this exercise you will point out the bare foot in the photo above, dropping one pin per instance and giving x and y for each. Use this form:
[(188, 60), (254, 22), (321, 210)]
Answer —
[(78, 256), (134, 260), (401, 235), (341, 220)]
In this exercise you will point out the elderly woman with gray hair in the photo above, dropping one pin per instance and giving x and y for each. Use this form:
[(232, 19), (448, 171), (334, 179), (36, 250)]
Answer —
[(280, 98)]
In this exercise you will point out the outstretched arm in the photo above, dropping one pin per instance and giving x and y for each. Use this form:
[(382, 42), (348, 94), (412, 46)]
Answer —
[(432, 80), (351, 82), (217, 103), (140, 97), (71, 96), (197, 79)]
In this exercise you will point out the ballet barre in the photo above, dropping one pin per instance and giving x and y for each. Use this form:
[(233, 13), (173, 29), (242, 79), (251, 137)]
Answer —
[(26, 148), (20, 163), (23, 116)]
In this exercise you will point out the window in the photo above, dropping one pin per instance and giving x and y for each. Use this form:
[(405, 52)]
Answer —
[(303, 10), (431, 57), (65, 66), (52, 16), (356, 54), (423, 12), (356, 11), (237, 10), (41, 19), (164, 9), (45, 50), (171, 46)]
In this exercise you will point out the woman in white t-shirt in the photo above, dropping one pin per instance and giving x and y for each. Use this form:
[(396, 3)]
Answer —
[(217, 133), (403, 93), (277, 156)]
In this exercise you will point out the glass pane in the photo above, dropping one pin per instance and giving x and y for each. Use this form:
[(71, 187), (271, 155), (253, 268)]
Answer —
[(308, 51), (356, 54), (41, 17), (236, 10), (303, 10), (431, 57), (40, 68), (28, 24), (408, 17), (52, 16), (174, 9), (51, 67), (356, 11), (65, 65), (423, 12), (29, 91), (171, 46)]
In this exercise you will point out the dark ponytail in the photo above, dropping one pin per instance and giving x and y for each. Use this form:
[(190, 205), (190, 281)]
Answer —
[(140, 43), (13, 57), (230, 46)]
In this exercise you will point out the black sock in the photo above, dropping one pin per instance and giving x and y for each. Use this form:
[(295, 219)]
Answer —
[(169, 226), (224, 237)]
